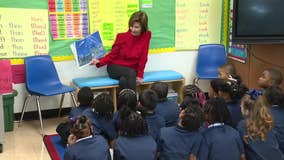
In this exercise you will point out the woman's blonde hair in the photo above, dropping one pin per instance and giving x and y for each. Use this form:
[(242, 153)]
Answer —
[(259, 120), (140, 17)]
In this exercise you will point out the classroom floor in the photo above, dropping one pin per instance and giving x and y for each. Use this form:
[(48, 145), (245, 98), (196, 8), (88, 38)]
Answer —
[(25, 142)]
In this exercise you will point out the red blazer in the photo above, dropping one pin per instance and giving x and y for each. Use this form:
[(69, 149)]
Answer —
[(130, 51)]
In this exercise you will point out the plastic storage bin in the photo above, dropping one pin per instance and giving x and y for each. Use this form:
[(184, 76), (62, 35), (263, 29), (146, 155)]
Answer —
[(8, 106)]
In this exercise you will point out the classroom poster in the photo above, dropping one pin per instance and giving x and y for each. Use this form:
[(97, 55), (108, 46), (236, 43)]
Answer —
[(68, 18), (110, 17), (23, 32), (197, 22)]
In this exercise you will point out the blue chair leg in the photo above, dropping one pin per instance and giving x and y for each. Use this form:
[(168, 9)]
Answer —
[(24, 109), (62, 99), (61, 103), (39, 113)]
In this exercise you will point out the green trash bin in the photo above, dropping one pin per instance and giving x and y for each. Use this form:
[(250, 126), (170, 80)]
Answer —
[(8, 107)]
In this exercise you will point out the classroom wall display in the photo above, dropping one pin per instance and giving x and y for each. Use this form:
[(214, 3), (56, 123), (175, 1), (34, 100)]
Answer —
[(197, 22), (23, 32), (235, 51), (68, 19), (175, 24), (161, 21), (110, 17)]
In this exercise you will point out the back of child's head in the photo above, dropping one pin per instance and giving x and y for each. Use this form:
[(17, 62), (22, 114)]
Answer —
[(274, 96), (227, 70), (161, 89), (194, 92), (85, 96), (233, 88), (127, 97), (133, 125), (275, 75), (80, 126), (103, 106), (127, 101), (189, 101), (148, 99), (217, 111), (191, 118), (258, 119)]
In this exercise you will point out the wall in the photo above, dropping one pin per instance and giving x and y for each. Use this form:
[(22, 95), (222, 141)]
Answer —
[(183, 62)]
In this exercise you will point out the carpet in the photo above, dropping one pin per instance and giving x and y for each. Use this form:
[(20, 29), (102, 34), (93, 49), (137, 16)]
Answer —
[(54, 146)]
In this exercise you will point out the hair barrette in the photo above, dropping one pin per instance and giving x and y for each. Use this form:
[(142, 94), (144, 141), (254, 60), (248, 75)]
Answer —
[(254, 93)]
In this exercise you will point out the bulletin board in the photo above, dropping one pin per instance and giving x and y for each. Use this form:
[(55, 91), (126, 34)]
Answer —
[(175, 24)]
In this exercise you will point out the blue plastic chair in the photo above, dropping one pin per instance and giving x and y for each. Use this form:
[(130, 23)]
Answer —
[(210, 57), (42, 80)]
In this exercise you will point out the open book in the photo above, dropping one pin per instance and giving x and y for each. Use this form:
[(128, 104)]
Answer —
[(86, 49)]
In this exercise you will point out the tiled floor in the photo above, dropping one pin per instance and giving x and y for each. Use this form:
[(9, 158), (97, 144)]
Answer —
[(25, 142)]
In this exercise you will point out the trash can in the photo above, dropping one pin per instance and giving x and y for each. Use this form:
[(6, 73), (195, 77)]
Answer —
[(8, 107)]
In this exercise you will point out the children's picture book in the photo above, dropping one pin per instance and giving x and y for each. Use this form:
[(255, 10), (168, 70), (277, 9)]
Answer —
[(86, 49)]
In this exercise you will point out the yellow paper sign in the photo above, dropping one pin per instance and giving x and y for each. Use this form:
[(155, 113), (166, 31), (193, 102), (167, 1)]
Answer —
[(110, 17), (197, 22), (23, 32)]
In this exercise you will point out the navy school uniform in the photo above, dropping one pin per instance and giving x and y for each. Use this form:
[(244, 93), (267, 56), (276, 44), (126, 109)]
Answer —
[(261, 150), (101, 125), (221, 142), (169, 111), (154, 122), (135, 148), (116, 120), (176, 143), (77, 111), (235, 111), (89, 148), (278, 129)]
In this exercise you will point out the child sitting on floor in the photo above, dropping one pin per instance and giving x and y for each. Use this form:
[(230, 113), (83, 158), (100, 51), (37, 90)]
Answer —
[(182, 142), (101, 117), (85, 98), (82, 144), (134, 143), (167, 109)]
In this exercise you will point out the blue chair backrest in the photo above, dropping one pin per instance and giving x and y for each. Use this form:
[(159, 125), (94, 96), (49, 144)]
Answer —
[(210, 57), (40, 72)]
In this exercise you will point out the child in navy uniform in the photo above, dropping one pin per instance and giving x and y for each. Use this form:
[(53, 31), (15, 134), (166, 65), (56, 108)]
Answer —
[(182, 142), (127, 99), (85, 98), (148, 100), (255, 130), (275, 99), (194, 92), (134, 143), (82, 144), (167, 109), (270, 77), (228, 71), (221, 142), (231, 91), (101, 117)]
